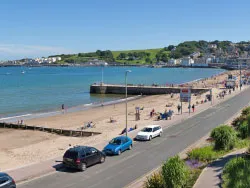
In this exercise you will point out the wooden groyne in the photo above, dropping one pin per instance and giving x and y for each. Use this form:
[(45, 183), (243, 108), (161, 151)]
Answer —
[(140, 89), (62, 132)]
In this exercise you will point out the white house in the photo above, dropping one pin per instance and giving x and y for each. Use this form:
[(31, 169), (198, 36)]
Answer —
[(187, 61), (172, 61), (214, 46)]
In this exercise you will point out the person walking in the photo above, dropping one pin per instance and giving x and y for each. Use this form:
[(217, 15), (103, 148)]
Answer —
[(193, 107), (179, 108), (63, 108)]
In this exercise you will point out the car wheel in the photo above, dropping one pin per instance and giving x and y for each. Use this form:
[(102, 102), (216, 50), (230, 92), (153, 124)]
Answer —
[(83, 167), (130, 147), (102, 160), (150, 138), (160, 134), (119, 152)]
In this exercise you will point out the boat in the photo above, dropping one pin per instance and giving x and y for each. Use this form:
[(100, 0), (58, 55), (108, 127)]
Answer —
[(23, 72)]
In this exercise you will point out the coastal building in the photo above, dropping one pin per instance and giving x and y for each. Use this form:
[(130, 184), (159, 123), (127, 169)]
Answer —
[(187, 61), (172, 61), (200, 62), (212, 46), (195, 55)]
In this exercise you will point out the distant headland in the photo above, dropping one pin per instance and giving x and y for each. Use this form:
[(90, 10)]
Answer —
[(223, 54)]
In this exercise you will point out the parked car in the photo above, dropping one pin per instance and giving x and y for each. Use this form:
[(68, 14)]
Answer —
[(80, 157), (117, 145), (6, 181), (149, 132)]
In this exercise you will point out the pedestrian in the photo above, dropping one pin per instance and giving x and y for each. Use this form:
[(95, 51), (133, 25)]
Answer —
[(193, 107), (179, 108), (21, 122), (63, 108)]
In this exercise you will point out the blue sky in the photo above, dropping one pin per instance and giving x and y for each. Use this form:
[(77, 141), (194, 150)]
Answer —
[(31, 28)]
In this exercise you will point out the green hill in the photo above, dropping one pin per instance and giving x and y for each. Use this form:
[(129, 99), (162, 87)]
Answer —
[(151, 56)]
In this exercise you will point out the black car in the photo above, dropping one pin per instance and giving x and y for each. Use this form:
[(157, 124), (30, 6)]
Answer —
[(80, 157), (6, 181)]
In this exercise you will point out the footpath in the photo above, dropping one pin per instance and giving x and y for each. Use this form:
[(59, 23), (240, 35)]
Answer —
[(50, 166), (211, 176)]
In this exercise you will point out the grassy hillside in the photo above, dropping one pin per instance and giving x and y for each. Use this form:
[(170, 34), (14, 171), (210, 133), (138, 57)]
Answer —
[(151, 56), (152, 52)]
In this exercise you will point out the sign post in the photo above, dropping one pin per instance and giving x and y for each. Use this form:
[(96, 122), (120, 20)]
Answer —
[(185, 96)]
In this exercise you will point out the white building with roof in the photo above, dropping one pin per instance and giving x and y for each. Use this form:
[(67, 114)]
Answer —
[(187, 61)]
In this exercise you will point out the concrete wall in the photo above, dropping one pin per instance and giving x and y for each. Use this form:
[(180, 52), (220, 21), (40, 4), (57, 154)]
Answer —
[(138, 90)]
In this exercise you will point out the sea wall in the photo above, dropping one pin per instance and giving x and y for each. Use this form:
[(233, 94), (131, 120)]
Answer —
[(138, 90)]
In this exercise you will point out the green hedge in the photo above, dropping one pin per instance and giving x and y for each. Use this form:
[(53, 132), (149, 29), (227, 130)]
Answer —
[(175, 172), (204, 154), (236, 173), (224, 137)]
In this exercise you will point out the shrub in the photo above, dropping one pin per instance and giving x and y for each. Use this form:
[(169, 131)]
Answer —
[(224, 137), (175, 173), (243, 130), (236, 173), (246, 111), (238, 121), (155, 181), (204, 154)]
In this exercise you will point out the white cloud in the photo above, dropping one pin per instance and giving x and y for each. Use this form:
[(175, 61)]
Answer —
[(13, 51)]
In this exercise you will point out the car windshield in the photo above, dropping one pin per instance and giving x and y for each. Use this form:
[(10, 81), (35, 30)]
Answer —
[(116, 141), (146, 129)]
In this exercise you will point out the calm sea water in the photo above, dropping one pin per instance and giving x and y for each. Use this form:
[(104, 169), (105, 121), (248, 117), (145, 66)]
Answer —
[(46, 88)]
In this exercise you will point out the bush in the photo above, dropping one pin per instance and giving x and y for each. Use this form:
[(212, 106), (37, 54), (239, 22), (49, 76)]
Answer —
[(236, 173), (204, 154), (175, 173), (224, 137), (243, 130), (238, 121), (155, 181), (246, 111)]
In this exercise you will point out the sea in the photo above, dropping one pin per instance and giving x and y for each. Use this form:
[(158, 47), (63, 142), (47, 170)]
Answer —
[(30, 90)]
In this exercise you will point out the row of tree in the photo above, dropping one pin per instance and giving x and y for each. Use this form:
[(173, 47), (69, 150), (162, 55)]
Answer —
[(133, 55)]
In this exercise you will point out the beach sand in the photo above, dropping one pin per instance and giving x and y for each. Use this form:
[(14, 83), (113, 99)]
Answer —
[(22, 147)]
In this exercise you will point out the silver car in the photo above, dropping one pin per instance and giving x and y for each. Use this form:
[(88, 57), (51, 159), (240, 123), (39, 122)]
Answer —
[(6, 181)]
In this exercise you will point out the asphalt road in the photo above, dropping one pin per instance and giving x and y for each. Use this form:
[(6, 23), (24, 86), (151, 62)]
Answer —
[(119, 171)]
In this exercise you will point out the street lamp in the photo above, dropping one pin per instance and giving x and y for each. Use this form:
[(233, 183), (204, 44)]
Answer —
[(126, 93)]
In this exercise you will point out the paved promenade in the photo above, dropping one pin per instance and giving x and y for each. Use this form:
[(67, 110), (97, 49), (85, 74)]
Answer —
[(211, 175)]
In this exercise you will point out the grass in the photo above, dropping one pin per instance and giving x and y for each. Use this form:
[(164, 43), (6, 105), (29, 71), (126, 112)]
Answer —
[(194, 175)]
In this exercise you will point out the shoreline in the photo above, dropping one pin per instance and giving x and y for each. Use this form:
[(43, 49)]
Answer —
[(78, 108), (55, 111)]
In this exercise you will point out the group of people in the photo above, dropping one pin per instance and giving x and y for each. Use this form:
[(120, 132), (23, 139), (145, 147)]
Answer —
[(189, 106)]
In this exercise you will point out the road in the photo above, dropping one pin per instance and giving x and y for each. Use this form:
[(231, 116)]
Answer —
[(119, 171)]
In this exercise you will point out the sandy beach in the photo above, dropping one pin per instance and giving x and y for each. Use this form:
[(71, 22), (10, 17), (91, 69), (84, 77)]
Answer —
[(21, 147)]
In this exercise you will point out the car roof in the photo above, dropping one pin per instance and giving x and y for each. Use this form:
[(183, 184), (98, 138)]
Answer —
[(78, 148), (152, 126), (3, 174), (120, 137)]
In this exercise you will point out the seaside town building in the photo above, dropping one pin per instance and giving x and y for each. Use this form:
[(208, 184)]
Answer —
[(187, 61)]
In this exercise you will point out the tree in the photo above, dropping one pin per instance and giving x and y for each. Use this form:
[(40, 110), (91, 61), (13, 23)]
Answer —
[(98, 52), (236, 173), (164, 57), (175, 173), (170, 47), (224, 137), (121, 56), (148, 60)]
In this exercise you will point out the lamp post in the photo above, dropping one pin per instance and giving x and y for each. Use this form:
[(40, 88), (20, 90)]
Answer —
[(240, 76), (126, 93)]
